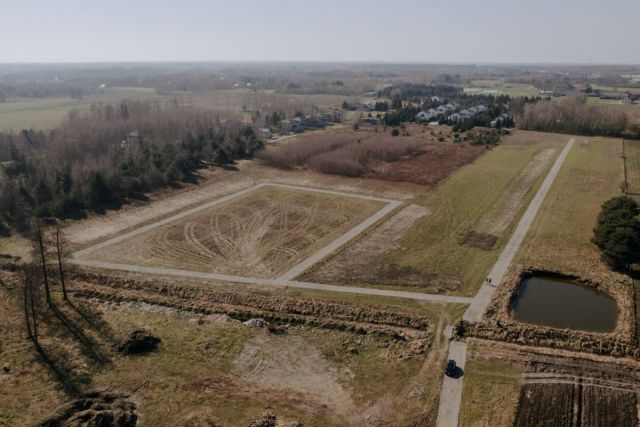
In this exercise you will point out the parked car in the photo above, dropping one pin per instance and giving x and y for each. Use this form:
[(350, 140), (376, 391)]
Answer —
[(451, 369)]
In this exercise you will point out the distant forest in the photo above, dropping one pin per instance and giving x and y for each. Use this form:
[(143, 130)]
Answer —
[(573, 115), (110, 154)]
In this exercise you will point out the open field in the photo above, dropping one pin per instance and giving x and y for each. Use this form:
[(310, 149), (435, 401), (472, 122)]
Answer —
[(591, 174), (432, 254), (632, 164), (234, 373), (235, 100), (262, 233), (505, 88), (46, 113)]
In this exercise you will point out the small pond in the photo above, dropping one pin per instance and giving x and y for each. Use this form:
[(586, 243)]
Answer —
[(563, 304)]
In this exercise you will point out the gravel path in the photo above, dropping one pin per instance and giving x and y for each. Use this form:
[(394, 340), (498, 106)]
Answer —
[(271, 282)]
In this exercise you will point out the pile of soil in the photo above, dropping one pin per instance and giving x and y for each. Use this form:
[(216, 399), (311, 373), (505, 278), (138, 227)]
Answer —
[(138, 342), (256, 323), (95, 409), (268, 419)]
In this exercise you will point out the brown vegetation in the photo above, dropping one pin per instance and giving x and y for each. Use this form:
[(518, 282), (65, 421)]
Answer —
[(246, 305), (573, 116), (417, 159)]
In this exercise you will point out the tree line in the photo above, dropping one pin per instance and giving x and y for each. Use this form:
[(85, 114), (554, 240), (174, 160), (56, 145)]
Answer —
[(573, 115), (112, 153)]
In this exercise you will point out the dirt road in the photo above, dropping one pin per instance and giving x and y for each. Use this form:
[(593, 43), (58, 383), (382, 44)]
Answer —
[(270, 282)]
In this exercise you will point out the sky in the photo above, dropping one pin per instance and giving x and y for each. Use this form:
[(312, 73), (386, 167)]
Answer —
[(432, 31)]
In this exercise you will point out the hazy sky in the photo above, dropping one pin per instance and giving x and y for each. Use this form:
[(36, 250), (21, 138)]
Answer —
[(567, 31)]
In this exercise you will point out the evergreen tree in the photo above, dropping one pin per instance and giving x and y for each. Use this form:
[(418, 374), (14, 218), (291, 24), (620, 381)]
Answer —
[(617, 232)]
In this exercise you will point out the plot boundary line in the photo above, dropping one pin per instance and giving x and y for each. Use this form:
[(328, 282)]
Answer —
[(286, 279), (181, 215)]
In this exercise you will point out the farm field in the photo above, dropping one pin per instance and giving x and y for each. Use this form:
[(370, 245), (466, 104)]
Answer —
[(251, 100), (262, 233), (513, 385), (591, 174), (46, 113), (440, 251), (505, 88), (490, 391), (555, 404)]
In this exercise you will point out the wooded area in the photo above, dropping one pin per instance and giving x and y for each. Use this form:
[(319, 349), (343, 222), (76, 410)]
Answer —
[(110, 154)]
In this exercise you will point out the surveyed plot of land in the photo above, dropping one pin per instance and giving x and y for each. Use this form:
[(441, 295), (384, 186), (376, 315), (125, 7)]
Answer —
[(262, 233), (433, 252), (632, 163), (560, 237)]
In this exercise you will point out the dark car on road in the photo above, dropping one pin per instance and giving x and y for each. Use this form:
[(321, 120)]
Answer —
[(451, 369)]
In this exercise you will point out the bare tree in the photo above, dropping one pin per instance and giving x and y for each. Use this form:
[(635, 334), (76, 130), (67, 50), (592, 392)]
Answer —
[(25, 303), (39, 247), (59, 244)]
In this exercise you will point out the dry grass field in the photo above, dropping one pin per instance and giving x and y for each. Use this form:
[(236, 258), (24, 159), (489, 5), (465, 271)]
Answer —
[(560, 237), (490, 393), (234, 372), (47, 113), (428, 246), (632, 163), (262, 233)]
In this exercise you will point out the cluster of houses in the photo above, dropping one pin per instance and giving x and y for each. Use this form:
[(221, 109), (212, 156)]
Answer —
[(301, 123), (500, 121), (467, 113), (628, 98), (432, 113)]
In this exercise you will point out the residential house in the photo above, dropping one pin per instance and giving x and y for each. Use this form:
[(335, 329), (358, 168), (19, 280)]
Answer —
[(372, 121)]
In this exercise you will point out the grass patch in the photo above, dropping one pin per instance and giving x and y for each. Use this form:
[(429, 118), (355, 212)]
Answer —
[(632, 163), (457, 205), (490, 394), (560, 236)]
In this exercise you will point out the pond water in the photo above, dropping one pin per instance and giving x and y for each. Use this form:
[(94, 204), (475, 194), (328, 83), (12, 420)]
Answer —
[(563, 304)]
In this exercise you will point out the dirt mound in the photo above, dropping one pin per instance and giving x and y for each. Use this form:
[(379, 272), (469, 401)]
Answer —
[(95, 409), (256, 323), (138, 342), (266, 420), (245, 305)]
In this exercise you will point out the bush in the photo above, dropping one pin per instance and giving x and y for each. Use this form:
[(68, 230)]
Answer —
[(395, 132)]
